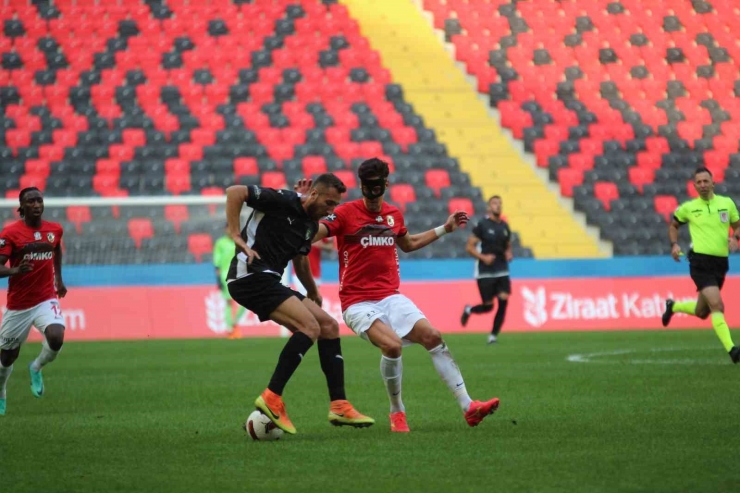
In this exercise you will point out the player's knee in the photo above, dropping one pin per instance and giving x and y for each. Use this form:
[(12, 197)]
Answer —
[(55, 343), (8, 356), (503, 296), (431, 339), (703, 314), (311, 328), (391, 347), (329, 328)]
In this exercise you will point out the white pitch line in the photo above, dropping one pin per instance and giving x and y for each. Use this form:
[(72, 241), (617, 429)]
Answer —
[(594, 357)]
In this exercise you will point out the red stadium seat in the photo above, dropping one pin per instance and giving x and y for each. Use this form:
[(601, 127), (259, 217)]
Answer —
[(437, 179), (176, 214), (199, 245), (568, 179), (606, 192), (460, 204), (245, 166), (402, 194), (78, 214), (177, 184), (314, 165), (665, 205), (140, 229), (274, 179), (348, 178), (640, 177)]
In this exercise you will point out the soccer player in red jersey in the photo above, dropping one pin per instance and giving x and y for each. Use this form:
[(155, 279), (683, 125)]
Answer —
[(34, 249), (367, 232)]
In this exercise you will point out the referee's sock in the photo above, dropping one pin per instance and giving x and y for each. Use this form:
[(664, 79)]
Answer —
[(687, 307), (722, 330), (290, 358)]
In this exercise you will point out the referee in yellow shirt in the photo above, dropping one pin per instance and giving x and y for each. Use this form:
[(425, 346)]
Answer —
[(709, 217)]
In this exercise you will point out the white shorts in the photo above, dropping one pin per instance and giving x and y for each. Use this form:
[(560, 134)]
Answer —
[(396, 311), (17, 323)]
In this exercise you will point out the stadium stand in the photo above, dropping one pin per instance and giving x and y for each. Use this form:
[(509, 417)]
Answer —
[(163, 98), (619, 100)]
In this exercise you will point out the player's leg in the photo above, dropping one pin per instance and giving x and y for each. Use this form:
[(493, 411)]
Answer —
[(425, 334), (391, 369), (49, 321), (264, 295), (503, 290), (717, 308), (367, 321), (14, 330), (485, 288), (341, 411)]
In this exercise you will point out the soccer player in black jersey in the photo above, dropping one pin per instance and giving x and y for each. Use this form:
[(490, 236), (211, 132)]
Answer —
[(490, 244), (280, 229)]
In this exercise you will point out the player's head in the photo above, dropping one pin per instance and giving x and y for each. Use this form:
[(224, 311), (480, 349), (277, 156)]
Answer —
[(32, 203), (494, 206), (325, 194), (703, 182), (373, 175)]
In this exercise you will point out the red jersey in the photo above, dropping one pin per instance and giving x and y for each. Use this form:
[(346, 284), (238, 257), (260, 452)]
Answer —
[(368, 259), (18, 241)]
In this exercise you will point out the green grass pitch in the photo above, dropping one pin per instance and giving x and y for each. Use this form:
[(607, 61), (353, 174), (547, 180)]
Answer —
[(636, 411)]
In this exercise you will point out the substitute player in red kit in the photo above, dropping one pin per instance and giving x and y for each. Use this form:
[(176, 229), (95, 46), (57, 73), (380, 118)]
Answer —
[(34, 249), (367, 232)]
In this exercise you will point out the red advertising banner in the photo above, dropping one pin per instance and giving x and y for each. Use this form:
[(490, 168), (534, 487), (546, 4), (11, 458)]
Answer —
[(535, 305)]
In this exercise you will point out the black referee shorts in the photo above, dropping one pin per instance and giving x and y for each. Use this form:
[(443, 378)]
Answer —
[(490, 287), (707, 270), (261, 293)]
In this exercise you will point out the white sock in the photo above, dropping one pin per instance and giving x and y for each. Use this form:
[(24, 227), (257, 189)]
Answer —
[(5, 372), (47, 355), (392, 369), (448, 370)]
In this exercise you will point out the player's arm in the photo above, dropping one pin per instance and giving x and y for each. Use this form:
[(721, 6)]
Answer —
[(679, 219), (61, 288), (321, 233), (471, 247), (735, 224), (509, 251), (303, 272), (22, 268), (236, 196), (410, 243)]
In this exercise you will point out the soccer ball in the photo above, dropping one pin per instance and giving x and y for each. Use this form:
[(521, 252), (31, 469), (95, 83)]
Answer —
[(261, 428)]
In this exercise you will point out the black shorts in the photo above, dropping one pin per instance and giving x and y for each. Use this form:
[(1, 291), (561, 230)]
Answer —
[(708, 270), (490, 287), (261, 293)]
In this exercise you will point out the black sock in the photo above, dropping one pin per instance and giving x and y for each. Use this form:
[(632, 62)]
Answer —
[(332, 363), (481, 308), (498, 320), (291, 356)]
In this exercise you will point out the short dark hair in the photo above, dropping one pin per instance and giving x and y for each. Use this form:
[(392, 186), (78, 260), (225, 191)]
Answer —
[(493, 197), (703, 170), (330, 180), (22, 195), (373, 167)]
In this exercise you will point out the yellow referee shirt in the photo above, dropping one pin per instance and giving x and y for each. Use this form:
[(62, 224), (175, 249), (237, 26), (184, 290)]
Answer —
[(709, 222)]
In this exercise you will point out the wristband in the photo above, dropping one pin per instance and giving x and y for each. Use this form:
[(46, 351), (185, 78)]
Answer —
[(440, 231)]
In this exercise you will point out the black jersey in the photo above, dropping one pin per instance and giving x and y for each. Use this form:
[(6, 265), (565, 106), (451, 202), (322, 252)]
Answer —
[(494, 238), (278, 229)]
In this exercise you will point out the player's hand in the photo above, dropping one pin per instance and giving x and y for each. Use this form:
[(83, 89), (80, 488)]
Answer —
[(315, 296), (676, 252), (487, 258), (61, 288), (509, 255), (457, 219), (733, 244), (303, 185), (24, 267), (243, 248)]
